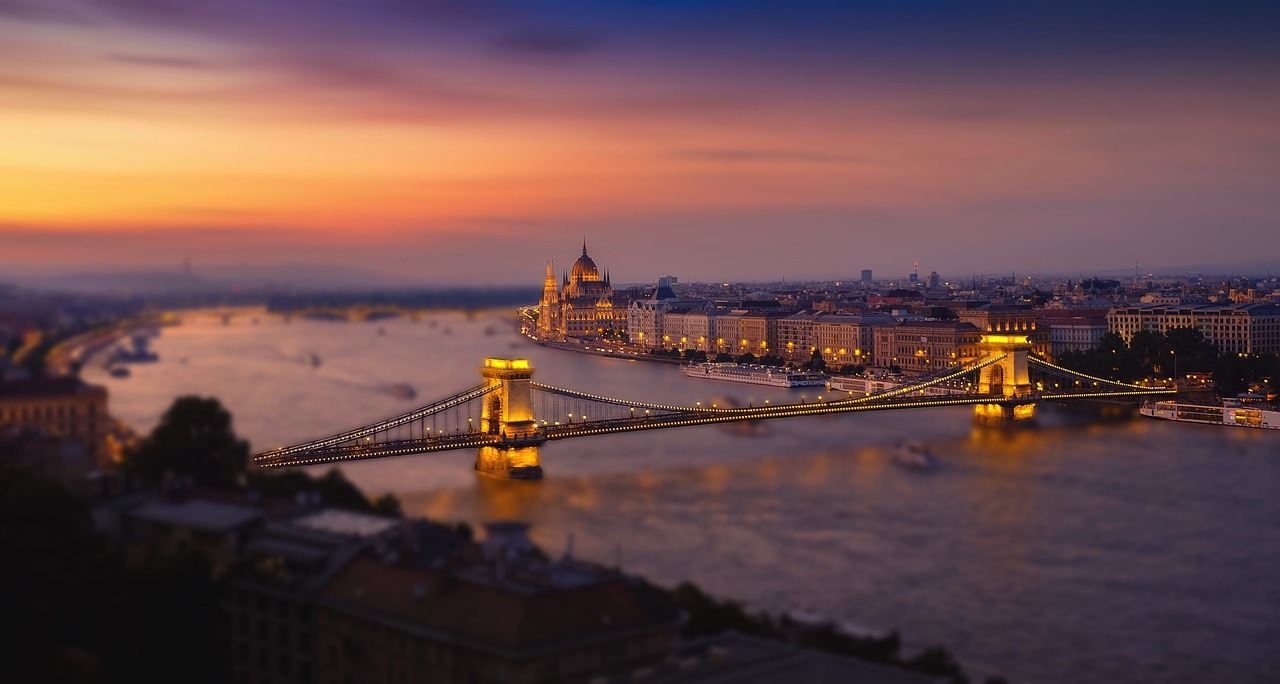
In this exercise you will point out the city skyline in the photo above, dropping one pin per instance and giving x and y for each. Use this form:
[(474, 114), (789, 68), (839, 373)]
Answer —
[(463, 143)]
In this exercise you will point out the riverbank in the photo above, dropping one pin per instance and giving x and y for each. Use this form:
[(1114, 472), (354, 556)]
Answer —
[(1075, 531), (587, 349), (67, 356)]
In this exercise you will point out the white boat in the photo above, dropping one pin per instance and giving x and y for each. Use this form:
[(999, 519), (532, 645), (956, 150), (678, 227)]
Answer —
[(1236, 416), (755, 375), (913, 455), (402, 390), (859, 386)]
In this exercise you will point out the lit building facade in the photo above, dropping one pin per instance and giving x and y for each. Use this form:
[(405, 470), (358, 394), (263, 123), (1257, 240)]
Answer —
[(1075, 330), (842, 340), (689, 329), (795, 336), (666, 321), (1233, 328), (741, 331), (926, 346), (848, 340)]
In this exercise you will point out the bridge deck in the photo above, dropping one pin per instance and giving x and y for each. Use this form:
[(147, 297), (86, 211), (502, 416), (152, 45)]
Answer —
[(326, 451)]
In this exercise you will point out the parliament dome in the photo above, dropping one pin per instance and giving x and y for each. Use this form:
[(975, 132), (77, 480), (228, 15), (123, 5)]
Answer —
[(584, 269)]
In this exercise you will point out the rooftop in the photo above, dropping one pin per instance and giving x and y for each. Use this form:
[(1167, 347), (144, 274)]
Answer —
[(198, 514), (492, 614), (347, 523), (43, 387), (742, 659)]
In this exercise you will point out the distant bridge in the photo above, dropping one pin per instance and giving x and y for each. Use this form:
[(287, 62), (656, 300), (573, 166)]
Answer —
[(508, 417)]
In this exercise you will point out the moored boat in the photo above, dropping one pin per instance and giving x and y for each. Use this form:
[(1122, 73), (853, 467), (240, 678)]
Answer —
[(1234, 415), (755, 375)]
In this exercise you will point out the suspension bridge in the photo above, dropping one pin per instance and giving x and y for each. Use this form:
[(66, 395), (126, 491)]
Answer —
[(509, 416)]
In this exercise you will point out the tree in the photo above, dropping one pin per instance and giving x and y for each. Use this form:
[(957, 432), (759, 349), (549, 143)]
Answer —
[(851, 369), (1150, 347), (1194, 353), (816, 362), (388, 505), (746, 357), (937, 660), (56, 566), (1235, 373), (724, 358), (194, 439)]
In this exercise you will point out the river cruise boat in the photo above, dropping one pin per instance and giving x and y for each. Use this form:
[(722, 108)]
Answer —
[(1239, 416), (755, 375), (858, 386)]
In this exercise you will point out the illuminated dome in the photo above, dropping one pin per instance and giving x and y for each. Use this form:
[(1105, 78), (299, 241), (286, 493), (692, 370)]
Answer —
[(584, 269)]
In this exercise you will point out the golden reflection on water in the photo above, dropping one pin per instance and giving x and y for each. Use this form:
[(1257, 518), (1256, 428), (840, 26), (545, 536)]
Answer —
[(500, 499), (440, 505), (818, 470), (716, 478), (646, 481), (769, 471), (582, 496), (1005, 442), (871, 462)]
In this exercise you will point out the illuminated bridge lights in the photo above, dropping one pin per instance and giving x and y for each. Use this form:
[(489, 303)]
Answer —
[(364, 443), (1032, 361)]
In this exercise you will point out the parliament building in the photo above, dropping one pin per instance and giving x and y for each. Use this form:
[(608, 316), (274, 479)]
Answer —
[(582, 305)]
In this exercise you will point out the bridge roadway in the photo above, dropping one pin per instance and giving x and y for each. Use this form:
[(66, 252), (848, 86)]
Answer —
[(689, 417), (509, 382), (548, 433)]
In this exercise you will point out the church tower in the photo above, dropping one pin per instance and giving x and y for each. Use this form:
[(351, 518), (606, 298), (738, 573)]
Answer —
[(549, 308)]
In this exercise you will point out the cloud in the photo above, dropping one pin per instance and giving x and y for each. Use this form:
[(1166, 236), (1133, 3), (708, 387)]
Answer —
[(963, 113), (740, 155), (159, 61), (555, 44), (43, 11)]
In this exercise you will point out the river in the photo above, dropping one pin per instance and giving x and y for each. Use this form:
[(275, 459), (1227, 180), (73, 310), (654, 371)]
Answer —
[(1083, 549)]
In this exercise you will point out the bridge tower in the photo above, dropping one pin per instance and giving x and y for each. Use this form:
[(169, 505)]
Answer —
[(508, 414), (1007, 381)]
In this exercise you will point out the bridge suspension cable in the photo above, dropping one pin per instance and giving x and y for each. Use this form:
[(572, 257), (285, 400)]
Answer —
[(383, 426), (552, 413), (1106, 388)]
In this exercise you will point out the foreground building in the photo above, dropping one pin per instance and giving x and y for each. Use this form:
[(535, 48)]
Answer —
[(62, 407), (379, 600)]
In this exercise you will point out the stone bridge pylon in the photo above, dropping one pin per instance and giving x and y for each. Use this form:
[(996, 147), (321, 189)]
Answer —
[(508, 414), (1007, 381)]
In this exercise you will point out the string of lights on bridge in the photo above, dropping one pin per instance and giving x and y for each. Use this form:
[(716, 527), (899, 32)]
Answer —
[(359, 443)]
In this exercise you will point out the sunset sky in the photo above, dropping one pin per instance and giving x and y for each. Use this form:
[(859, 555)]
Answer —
[(470, 141)]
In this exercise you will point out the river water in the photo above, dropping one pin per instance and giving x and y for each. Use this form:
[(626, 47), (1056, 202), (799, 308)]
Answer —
[(1084, 549)]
